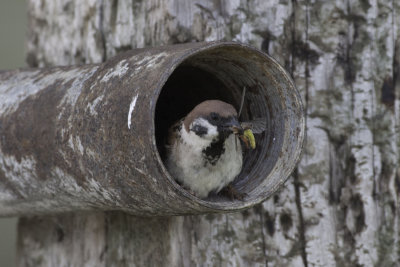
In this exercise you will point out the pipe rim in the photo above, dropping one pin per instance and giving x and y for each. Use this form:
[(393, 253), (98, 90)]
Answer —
[(235, 205)]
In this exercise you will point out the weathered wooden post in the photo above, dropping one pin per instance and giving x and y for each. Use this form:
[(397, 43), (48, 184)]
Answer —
[(341, 207)]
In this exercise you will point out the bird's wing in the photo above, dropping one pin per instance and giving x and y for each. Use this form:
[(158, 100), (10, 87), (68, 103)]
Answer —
[(257, 125)]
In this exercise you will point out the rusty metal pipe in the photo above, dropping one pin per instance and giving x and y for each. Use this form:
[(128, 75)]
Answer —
[(90, 137)]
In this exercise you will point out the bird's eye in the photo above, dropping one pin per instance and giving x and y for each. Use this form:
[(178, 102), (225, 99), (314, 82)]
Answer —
[(214, 116)]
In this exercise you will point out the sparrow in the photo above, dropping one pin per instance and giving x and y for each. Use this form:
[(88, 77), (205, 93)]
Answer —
[(204, 152)]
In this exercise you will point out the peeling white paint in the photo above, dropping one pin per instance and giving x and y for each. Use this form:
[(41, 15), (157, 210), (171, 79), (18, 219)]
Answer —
[(70, 195), (26, 83), (19, 173), (141, 171), (98, 192), (68, 183), (147, 62), (72, 94), (71, 142), (92, 105), (120, 69), (93, 191), (131, 108), (91, 153), (150, 61), (79, 145)]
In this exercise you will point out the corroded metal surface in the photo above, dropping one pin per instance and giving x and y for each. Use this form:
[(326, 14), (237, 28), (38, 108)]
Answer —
[(84, 137)]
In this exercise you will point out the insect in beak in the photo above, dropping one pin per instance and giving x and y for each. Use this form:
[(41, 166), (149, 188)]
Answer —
[(248, 139)]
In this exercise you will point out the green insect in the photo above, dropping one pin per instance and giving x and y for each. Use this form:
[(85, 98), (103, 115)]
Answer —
[(248, 138), (256, 126)]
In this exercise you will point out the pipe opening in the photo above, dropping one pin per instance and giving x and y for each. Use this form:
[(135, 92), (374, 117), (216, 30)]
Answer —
[(221, 73)]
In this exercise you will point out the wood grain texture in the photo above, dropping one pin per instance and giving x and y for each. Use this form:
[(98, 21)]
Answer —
[(342, 205)]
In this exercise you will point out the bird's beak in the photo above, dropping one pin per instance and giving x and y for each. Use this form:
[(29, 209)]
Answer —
[(234, 126)]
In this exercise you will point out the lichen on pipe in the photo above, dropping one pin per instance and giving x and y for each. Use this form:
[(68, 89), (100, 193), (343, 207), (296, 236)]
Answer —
[(90, 137)]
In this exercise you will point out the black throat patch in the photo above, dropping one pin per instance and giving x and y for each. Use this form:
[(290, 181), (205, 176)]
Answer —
[(213, 152)]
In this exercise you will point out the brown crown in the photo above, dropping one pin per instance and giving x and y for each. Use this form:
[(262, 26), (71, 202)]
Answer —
[(206, 108)]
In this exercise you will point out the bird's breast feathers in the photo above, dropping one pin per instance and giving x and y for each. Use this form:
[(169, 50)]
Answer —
[(203, 165)]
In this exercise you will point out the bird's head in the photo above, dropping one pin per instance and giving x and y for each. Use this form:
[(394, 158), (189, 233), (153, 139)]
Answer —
[(213, 120)]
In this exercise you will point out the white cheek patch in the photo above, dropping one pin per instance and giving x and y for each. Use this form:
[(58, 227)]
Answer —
[(211, 129)]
